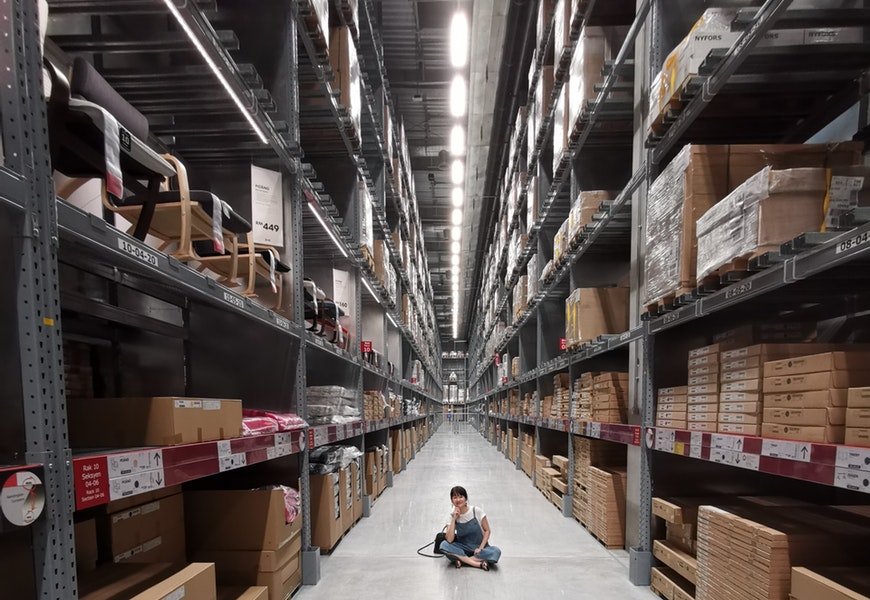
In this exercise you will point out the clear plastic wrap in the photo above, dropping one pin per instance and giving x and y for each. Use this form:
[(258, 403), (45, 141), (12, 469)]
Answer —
[(663, 224)]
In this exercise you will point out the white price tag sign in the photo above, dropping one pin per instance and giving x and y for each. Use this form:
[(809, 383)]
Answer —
[(139, 483), (233, 461), (272, 453), (778, 449), (267, 206), (665, 439), (853, 458), (131, 463), (595, 430), (727, 442), (224, 448), (695, 451), (849, 479)]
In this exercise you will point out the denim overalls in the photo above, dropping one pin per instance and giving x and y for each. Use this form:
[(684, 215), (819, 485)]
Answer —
[(467, 539)]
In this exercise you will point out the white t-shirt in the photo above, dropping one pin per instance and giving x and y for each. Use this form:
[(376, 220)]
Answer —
[(473, 512)]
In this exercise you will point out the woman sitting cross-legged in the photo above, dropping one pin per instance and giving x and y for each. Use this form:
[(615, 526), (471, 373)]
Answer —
[(468, 534)]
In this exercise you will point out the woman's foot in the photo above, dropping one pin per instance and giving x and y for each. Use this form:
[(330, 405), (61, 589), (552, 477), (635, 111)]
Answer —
[(484, 565), (457, 564)]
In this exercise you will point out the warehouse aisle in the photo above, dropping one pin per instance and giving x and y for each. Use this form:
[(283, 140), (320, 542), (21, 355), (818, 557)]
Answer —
[(545, 555)]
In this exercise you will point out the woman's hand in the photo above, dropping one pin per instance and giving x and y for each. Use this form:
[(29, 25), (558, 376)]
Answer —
[(456, 513), (477, 550)]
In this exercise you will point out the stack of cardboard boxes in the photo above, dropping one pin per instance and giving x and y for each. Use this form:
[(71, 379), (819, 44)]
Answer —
[(672, 407), (527, 453), (702, 401), (676, 580), (559, 479), (610, 397), (592, 312), (583, 393), (542, 463), (561, 407), (373, 405), (257, 546), (607, 505), (590, 453), (858, 417), (823, 379)]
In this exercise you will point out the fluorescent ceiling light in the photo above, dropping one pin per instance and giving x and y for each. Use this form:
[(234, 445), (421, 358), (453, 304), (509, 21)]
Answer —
[(456, 217), (457, 197), (238, 102), (390, 317), (459, 40), (456, 233), (457, 141), (454, 248), (328, 230), (454, 260), (458, 96), (457, 172), (455, 276), (369, 288)]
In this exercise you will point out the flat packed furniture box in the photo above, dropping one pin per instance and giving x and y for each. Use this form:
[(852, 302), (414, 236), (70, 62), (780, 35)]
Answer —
[(158, 421), (194, 582)]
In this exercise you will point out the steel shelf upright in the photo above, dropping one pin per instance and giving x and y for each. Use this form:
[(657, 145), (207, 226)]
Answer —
[(34, 405)]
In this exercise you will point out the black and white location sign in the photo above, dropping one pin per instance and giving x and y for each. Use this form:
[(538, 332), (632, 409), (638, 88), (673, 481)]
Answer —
[(267, 207)]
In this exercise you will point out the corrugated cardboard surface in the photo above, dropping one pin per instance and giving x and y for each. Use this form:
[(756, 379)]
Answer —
[(197, 579), (150, 532)]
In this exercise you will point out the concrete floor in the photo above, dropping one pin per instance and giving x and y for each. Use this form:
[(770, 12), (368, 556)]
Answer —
[(544, 555)]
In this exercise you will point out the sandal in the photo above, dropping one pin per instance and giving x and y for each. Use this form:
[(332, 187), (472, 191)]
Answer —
[(458, 564), (484, 565)]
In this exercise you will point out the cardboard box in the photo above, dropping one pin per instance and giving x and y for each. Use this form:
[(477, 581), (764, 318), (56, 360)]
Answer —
[(704, 355), (808, 584), (702, 389), (711, 369), (681, 562), (159, 421), (151, 532), (831, 434), (857, 417), (815, 381), (805, 416), (745, 160), (138, 499), (749, 419), (240, 567), (672, 423), (703, 408), (703, 379), (356, 476), (283, 582), (741, 428), (660, 583), (345, 484), (85, 533), (858, 397), (704, 399), (674, 511), (672, 407), (345, 67), (705, 426), (326, 525), (121, 581), (810, 399), (741, 407), (701, 417), (196, 580), (741, 375), (242, 593), (818, 363), (599, 311), (680, 390), (258, 520), (740, 364), (560, 462), (857, 437)]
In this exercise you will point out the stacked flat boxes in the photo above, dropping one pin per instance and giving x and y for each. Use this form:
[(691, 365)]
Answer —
[(702, 410), (808, 395), (610, 398), (529, 404), (373, 405), (672, 407), (547, 406), (589, 453), (858, 417), (583, 393), (677, 576), (741, 400), (747, 553), (607, 506), (527, 453), (542, 464), (561, 407), (558, 479), (514, 402)]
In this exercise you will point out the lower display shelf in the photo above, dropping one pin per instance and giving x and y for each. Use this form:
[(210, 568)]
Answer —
[(320, 435), (369, 426), (845, 467), (620, 433), (101, 478)]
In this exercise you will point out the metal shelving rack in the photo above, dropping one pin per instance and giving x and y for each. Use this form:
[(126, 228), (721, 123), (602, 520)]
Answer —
[(43, 229), (805, 268)]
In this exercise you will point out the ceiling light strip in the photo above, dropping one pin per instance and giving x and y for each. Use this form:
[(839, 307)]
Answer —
[(217, 71), (328, 230)]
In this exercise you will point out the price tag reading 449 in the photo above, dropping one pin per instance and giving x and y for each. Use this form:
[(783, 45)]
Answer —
[(267, 206)]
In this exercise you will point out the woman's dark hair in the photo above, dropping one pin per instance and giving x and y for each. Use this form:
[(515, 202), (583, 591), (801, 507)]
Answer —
[(458, 490)]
